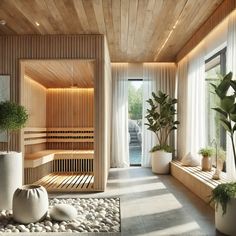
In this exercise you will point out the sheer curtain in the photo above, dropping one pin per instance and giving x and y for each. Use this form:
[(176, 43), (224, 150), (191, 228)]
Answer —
[(191, 105), (182, 81), (156, 76), (119, 137), (231, 66)]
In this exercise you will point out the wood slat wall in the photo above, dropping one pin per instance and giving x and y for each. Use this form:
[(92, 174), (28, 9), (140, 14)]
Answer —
[(217, 17), (34, 100), (70, 108), (14, 49)]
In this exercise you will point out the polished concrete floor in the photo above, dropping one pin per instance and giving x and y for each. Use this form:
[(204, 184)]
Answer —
[(155, 205)]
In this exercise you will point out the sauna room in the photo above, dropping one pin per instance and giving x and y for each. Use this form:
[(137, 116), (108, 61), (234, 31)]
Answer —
[(59, 136)]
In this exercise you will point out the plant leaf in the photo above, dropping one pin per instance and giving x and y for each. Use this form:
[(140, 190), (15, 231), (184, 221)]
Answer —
[(226, 124), (222, 112)]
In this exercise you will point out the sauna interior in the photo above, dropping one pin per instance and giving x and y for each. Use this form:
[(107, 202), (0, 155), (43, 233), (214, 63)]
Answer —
[(59, 136)]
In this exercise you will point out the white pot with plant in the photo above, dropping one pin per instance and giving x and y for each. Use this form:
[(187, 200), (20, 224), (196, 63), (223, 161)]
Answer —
[(161, 120), (206, 158), (224, 195), (12, 118)]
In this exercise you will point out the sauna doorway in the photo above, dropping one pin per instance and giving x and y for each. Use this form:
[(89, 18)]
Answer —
[(58, 141)]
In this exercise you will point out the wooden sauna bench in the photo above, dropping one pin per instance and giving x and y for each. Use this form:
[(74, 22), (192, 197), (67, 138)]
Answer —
[(56, 169)]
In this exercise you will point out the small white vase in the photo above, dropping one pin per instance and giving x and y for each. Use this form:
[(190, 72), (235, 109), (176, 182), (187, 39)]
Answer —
[(161, 162), (10, 177), (30, 204), (226, 223)]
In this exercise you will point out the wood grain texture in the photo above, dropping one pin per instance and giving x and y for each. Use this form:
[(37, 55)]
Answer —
[(217, 17), (135, 29), (15, 50), (70, 108), (61, 73), (34, 100)]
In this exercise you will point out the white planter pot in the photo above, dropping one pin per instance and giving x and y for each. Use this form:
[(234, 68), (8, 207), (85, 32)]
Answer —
[(30, 204), (161, 162), (10, 177), (226, 223)]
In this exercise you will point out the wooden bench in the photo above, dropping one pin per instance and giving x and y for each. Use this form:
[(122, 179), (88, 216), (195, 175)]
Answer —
[(40, 163), (198, 181)]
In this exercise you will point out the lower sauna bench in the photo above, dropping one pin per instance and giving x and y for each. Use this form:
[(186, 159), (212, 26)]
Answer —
[(61, 170)]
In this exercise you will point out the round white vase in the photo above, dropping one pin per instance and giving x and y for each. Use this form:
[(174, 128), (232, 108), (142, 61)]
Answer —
[(161, 162), (30, 204), (226, 223), (10, 177)]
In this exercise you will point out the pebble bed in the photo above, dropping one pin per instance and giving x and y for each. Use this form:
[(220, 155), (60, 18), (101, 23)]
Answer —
[(94, 215)]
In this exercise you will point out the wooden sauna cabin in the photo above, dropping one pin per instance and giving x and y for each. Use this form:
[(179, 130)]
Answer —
[(59, 140)]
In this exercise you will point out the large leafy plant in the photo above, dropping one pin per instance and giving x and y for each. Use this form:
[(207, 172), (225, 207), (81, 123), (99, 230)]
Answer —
[(12, 117), (226, 91), (161, 119)]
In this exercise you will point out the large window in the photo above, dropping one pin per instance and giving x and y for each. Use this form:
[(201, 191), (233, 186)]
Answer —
[(214, 67)]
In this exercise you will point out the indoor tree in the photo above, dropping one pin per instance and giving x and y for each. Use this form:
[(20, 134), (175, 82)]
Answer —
[(12, 117)]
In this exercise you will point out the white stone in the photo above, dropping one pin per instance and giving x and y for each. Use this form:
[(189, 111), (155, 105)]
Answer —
[(62, 212), (48, 223)]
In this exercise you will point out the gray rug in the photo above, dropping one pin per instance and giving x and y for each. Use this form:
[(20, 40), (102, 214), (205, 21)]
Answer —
[(94, 215)]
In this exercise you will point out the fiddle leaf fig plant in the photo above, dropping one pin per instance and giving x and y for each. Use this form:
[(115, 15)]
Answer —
[(12, 118), (161, 119), (227, 108)]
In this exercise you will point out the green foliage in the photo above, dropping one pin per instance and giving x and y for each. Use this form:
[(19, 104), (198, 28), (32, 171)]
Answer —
[(12, 117), (206, 152), (135, 103), (160, 119), (222, 195), (227, 108), (166, 148)]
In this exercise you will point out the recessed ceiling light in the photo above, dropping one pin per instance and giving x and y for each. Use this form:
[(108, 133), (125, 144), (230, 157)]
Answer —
[(3, 22), (37, 23)]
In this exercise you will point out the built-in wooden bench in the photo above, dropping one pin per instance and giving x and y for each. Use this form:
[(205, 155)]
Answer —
[(47, 162), (198, 181)]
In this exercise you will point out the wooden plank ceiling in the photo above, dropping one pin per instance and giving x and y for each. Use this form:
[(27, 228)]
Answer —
[(61, 73), (136, 30)]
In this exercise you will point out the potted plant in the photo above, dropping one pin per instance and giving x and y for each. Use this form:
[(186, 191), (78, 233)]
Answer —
[(161, 120), (225, 193), (12, 118), (224, 196), (206, 158)]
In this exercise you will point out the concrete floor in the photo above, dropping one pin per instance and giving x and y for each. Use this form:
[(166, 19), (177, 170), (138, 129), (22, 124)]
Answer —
[(155, 205)]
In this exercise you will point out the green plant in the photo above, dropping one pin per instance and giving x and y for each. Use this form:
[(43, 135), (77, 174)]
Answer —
[(161, 119), (222, 195), (206, 152), (227, 108), (12, 117)]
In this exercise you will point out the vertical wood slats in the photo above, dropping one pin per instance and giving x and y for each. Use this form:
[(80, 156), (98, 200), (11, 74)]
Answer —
[(15, 48)]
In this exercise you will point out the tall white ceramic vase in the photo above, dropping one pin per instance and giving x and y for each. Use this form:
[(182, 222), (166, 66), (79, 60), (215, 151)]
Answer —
[(10, 177)]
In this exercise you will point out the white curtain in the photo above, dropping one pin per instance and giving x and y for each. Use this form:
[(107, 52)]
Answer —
[(231, 66), (191, 96), (182, 94), (156, 76), (119, 139)]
